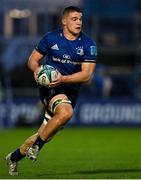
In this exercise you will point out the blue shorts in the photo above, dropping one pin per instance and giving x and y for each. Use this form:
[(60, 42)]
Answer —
[(46, 94)]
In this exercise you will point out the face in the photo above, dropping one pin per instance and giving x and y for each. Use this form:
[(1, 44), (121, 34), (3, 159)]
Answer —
[(73, 23)]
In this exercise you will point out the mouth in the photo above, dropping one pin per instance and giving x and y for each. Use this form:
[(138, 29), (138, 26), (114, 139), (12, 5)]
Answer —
[(78, 28)]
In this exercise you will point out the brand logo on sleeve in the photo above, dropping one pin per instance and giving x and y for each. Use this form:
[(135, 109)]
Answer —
[(93, 50)]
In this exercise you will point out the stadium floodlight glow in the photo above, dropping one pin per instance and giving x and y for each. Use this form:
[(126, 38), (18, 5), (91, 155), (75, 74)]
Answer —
[(16, 13)]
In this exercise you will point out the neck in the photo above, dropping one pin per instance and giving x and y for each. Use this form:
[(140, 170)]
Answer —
[(69, 35)]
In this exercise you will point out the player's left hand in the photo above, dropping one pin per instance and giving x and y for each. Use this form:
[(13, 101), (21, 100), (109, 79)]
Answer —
[(57, 81)]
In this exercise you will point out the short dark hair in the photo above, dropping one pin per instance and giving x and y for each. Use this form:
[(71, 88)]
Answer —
[(69, 9)]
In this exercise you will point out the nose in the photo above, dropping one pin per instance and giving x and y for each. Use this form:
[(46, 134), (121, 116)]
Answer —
[(79, 21)]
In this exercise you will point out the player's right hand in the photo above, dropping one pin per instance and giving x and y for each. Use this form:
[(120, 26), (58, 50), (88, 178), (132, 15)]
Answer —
[(36, 72)]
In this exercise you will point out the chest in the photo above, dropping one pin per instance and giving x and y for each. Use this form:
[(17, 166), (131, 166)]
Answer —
[(70, 50)]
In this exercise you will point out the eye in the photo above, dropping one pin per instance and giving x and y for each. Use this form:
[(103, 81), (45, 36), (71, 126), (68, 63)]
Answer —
[(74, 19)]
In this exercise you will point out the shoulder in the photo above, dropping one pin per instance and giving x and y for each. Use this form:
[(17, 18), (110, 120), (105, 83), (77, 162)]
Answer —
[(53, 34), (88, 41)]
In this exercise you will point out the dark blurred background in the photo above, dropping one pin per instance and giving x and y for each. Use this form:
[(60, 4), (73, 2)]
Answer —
[(113, 96)]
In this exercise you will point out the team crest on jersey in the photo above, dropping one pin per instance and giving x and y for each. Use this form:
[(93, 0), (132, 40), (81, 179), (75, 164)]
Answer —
[(80, 51)]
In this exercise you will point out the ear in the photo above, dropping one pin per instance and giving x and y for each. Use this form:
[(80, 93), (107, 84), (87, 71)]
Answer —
[(64, 21)]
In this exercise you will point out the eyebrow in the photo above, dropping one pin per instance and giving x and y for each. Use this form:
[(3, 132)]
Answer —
[(76, 16)]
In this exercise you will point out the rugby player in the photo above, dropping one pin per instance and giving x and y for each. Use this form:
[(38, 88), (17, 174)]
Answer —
[(73, 54)]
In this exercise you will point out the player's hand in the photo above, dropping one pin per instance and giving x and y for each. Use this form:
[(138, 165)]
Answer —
[(57, 81), (36, 72)]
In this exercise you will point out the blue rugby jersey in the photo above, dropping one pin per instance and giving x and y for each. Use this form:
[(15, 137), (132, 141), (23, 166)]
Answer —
[(66, 55)]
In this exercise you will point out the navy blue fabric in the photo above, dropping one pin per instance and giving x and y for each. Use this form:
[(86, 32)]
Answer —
[(17, 156), (46, 94), (66, 56)]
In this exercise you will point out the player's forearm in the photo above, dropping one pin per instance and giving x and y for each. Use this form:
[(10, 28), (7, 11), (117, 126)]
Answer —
[(82, 76), (79, 77)]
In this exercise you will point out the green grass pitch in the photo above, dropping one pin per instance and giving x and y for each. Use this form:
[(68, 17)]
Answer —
[(80, 153)]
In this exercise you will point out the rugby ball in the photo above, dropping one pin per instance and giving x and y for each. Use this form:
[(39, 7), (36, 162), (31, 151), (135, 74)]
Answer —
[(46, 75)]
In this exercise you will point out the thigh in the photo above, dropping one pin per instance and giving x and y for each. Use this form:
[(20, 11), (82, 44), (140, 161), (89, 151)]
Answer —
[(47, 95), (61, 107), (60, 99)]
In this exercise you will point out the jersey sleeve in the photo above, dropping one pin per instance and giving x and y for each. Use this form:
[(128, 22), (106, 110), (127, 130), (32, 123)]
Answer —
[(90, 54), (42, 46)]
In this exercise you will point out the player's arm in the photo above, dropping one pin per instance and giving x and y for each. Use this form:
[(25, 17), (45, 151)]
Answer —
[(34, 62), (82, 76)]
